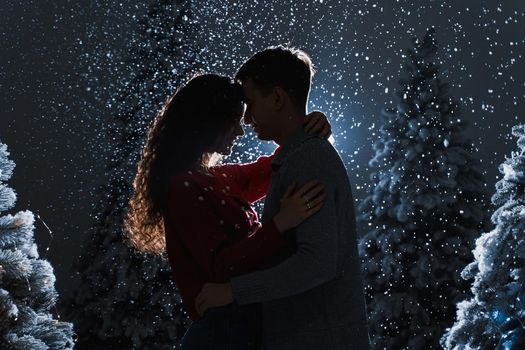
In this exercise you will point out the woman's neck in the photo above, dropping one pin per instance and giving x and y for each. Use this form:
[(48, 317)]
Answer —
[(202, 169)]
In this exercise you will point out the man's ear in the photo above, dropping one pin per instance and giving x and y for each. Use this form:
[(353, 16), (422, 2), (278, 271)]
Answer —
[(279, 97)]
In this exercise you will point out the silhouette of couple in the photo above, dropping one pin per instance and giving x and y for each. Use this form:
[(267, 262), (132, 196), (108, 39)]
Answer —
[(291, 281)]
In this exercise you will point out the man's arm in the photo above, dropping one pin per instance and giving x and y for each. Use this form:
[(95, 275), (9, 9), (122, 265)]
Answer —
[(315, 261)]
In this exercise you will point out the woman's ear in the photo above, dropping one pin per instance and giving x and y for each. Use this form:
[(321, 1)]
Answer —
[(279, 97)]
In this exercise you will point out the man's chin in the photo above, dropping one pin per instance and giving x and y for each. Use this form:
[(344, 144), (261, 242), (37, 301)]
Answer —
[(261, 137), (260, 134)]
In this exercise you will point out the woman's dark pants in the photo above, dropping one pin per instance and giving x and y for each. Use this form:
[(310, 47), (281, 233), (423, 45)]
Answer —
[(229, 327)]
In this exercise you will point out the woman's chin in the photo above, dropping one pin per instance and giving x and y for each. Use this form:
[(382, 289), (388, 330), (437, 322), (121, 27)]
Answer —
[(226, 151)]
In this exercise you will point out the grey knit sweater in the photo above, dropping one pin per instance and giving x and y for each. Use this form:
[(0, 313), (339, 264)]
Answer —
[(312, 299)]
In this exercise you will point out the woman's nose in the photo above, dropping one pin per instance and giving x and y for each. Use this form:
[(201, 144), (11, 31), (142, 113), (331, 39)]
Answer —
[(247, 119), (240, 130)]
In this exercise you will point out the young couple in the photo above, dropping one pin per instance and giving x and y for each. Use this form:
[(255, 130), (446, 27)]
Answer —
[(292, 282)]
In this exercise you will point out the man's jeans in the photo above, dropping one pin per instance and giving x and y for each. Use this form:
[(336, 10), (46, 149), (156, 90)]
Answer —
[(229, 327)]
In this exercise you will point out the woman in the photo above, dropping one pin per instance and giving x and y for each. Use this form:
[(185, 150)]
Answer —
[(200, 213)]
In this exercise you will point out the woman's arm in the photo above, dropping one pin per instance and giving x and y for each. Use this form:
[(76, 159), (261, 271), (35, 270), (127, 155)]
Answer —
[(252, 179)]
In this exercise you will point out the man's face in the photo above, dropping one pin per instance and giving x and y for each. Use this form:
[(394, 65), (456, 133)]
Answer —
[(260, 112)]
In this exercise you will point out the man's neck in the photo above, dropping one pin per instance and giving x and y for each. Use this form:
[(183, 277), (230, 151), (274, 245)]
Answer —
[(293, 121)]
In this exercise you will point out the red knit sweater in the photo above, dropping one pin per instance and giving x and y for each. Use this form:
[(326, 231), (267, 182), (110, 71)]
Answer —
[(212, 232)]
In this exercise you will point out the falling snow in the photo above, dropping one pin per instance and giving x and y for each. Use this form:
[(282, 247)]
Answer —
[(63, 65)]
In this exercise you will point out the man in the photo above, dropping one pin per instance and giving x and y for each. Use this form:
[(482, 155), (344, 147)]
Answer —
[(312, 296)]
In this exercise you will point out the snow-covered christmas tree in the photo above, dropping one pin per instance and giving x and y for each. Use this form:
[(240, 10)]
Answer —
[(27, 283), (126, 299), (494, 316), (426, 207)]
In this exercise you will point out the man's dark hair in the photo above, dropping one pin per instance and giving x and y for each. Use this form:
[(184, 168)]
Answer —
[(287, 67)]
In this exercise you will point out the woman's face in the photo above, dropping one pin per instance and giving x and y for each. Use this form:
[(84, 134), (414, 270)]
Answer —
[(232, 132)]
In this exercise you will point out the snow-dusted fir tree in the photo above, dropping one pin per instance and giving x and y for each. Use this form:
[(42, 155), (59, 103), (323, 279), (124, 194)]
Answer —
[(27, 283), (494, 315), (427, 205), (128, 300)]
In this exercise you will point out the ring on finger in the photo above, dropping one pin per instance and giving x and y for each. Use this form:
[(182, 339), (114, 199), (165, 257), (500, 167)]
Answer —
[(308, 205), (305, 199)]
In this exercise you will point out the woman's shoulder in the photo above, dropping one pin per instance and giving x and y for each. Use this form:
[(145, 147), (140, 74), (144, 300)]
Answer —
[(184, 180)]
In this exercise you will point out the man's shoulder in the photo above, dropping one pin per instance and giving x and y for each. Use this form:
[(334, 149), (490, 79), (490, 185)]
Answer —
[(315, 156), (314, 149)]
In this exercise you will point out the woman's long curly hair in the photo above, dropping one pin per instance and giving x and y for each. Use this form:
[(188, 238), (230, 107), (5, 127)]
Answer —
[(185, 134)]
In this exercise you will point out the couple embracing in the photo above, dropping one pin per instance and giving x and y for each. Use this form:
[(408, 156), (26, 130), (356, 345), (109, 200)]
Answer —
[(290, 281)]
